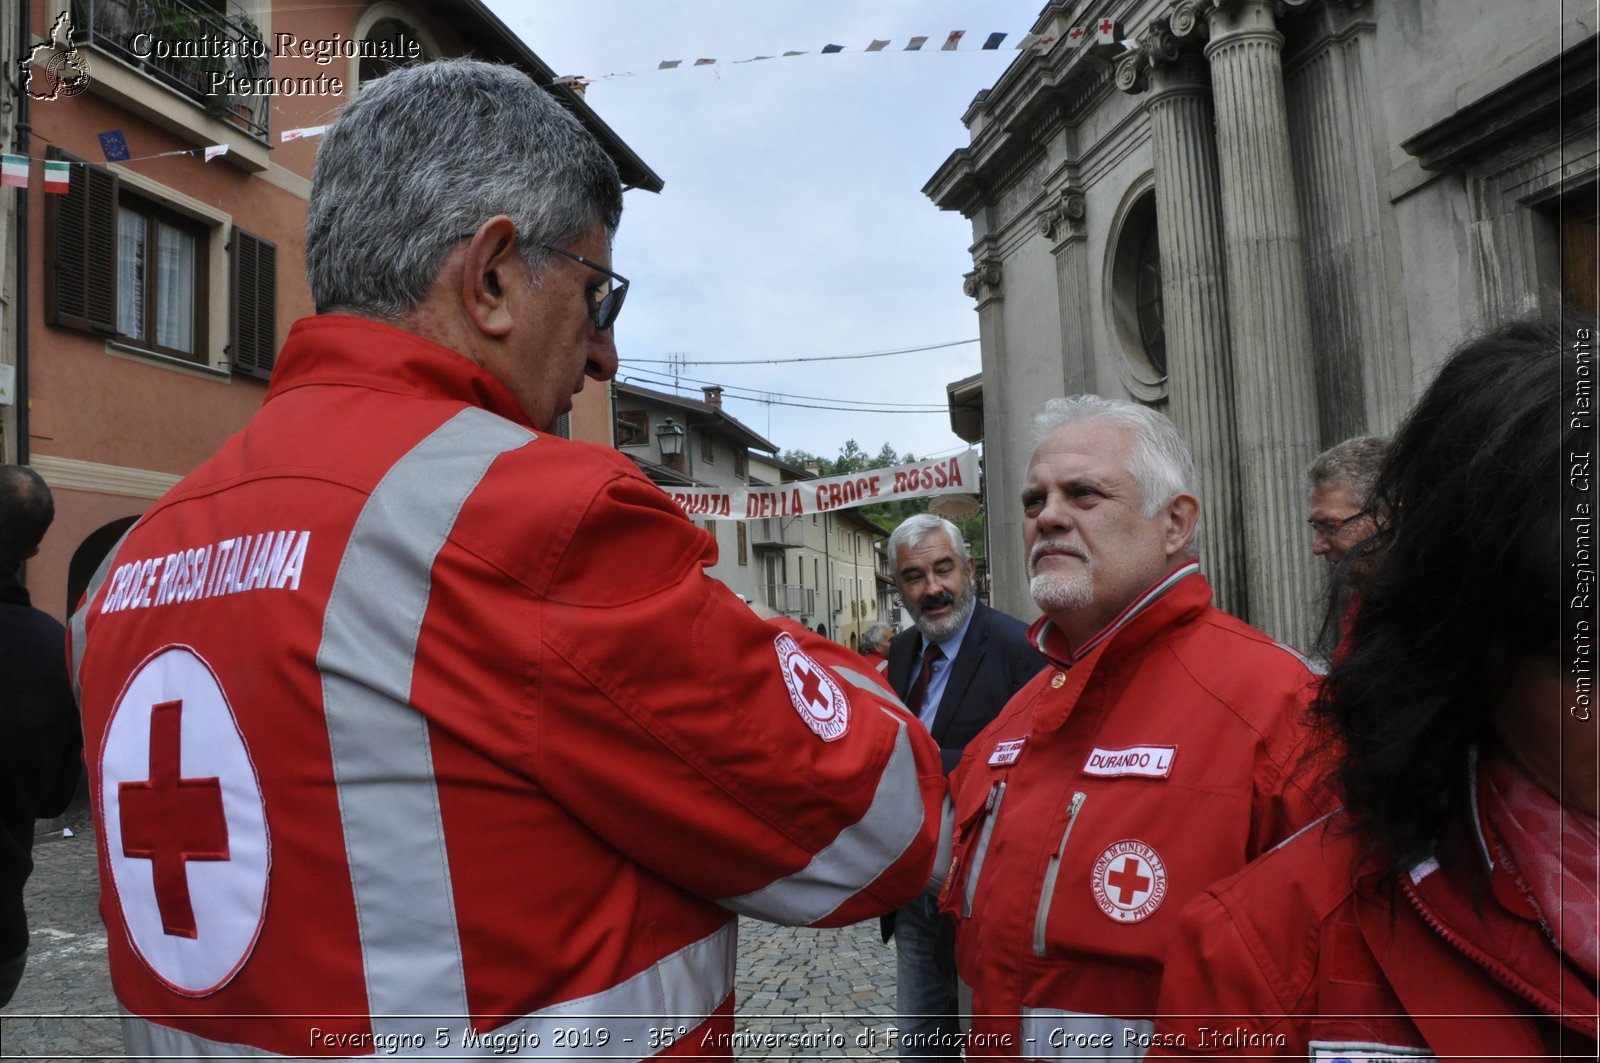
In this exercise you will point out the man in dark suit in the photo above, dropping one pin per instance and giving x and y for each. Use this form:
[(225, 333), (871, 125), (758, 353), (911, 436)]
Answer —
[(955, 669)]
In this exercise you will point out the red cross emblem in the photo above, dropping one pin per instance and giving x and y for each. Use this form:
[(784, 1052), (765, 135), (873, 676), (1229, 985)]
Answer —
[(1076, 34), (170, 820), (1129, 881), (811, 689), (1106, 26), (817, 697), (184, 824)]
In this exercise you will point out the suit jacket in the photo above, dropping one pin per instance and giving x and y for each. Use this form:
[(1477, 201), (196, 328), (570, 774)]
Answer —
[(995, 661)]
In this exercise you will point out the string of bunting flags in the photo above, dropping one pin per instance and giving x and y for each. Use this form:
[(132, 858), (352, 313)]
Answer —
[(1104, 32), (14, 169)]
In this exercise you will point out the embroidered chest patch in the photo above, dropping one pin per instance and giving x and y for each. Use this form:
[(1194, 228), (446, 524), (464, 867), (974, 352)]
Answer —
[(1007, 752), (1363, 1052), (816, 696), (1148, 762), (1129, 881)]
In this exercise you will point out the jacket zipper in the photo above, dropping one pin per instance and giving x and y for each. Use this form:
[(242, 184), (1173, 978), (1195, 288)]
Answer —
[(980, 849), (1499, 971), (1052, 871)]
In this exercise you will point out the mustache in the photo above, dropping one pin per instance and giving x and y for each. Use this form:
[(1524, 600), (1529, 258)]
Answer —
[(1046, 547), (935, 600)]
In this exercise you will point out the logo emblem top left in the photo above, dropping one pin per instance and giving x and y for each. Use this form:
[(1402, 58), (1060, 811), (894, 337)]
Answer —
[(184, 823)]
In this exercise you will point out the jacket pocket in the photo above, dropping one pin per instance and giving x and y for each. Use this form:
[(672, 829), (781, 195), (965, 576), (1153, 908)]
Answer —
[(1052, 872), (972, 846)]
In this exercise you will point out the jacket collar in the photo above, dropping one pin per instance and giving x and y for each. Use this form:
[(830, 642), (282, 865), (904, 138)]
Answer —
[(343, 350), (1179, 594)]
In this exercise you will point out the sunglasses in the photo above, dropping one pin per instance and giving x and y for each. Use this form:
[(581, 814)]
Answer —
[(605, 300)]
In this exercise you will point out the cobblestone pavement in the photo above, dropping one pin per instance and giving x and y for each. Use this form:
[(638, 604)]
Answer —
[(803, 994)]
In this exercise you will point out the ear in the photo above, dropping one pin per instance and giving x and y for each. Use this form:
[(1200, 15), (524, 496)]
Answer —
[(491, 270), (972, 570), (1181, 516)]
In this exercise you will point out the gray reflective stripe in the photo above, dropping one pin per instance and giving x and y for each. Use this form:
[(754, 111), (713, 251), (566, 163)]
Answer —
[(980, 851), (942, 851), (852, 861), (382, 760), (875, 686), (682, 990), (1049, 1033), (79, 621)]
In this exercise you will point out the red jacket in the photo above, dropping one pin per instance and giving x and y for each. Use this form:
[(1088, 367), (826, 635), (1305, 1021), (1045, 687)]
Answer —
[(1116, 785), (397, 708), (1302, 955)]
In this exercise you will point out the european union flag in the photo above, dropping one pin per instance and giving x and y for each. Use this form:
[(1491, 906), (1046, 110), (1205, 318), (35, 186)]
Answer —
[(114, 146)]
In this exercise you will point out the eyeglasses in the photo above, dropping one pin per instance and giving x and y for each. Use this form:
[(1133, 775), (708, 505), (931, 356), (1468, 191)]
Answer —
[(605, 300), (1329, 528)]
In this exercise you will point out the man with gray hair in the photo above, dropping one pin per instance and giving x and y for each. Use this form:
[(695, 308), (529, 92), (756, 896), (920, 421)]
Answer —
[(1157, 752), (956, 668), (1341, 480), (418, 729)]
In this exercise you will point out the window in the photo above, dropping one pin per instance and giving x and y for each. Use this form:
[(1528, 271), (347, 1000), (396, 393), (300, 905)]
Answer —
[(160, 293), (126, 263), (741, 464), (1134, 297), (744, 543), (401, 44), (633, 428), (707, 448)]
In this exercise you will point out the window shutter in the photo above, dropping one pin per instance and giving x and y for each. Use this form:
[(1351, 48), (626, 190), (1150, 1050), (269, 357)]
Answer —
[(253, 343), (80, 275)]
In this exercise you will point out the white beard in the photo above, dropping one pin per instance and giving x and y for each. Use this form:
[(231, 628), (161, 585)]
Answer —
[(939, 630), (1056, 593)]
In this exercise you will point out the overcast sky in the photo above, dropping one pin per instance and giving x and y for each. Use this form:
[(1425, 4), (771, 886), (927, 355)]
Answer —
[(793, 223)]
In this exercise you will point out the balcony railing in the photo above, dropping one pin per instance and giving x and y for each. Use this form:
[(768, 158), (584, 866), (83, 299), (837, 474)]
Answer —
[(777, 532), (791, 599), (193, 49)]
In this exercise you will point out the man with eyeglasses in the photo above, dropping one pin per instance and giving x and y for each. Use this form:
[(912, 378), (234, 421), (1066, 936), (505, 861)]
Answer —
[(1341, 480), (417, 729)]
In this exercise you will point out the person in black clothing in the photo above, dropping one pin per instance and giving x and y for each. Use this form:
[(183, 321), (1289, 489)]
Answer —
[(39, 733)]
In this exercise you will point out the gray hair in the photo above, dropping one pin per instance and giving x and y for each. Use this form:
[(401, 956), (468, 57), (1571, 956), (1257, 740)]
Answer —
[(1356, 460), (877, 632), (422, 158), (917, 528), (1160, 463)]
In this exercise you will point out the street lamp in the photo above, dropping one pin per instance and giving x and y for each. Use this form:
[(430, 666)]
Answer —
[(669, 437)]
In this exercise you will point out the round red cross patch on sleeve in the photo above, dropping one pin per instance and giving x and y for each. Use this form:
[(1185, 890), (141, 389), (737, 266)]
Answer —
[(1129, 881), (816, 696)]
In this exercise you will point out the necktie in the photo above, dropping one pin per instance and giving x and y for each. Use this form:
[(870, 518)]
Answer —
[(919, 689)]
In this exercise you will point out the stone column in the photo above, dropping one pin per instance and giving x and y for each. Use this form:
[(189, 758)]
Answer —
[(1062, 223), (1269, 320), (1008, 582), (1193, 297)]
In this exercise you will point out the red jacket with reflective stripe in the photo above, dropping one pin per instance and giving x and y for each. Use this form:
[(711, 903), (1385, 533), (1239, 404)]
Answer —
[(1112, 788), (1301, 956), (395, 706)]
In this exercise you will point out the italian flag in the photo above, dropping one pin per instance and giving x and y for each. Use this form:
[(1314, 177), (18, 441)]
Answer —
[(57, 176), (14, 170)]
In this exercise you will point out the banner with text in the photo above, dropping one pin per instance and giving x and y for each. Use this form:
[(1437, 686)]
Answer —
[(915, 479)]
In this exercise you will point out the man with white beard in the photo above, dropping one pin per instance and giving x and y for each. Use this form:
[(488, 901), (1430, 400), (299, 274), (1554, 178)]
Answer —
[(955, 669), (1159, 751)]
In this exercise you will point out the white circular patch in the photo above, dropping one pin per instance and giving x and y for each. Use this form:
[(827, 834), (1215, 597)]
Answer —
[(1129, 881), (184, 824), (816, 696)]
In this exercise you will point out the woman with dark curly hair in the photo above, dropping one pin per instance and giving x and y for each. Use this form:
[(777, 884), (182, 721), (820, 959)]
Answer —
[(1450, 909)]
